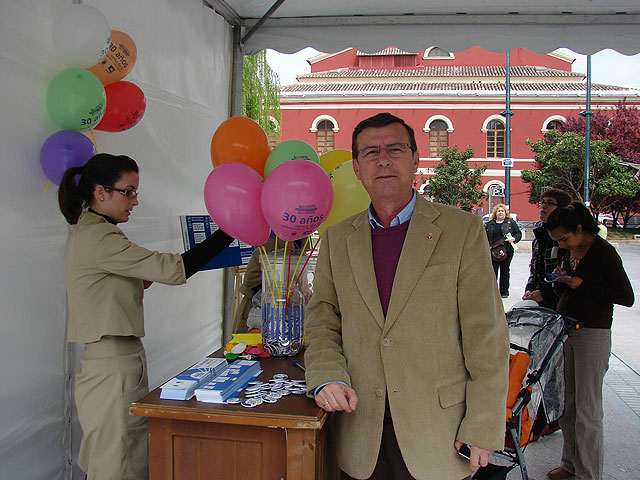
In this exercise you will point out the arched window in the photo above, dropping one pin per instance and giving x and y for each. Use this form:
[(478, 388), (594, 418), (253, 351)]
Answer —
[(553, 122), (495, 191), (324, 136), (274, 134), (437, 52), (554, 125), (495, 139), (438, 137)]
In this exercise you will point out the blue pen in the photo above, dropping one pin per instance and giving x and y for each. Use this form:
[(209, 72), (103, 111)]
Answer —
[(299, 366)]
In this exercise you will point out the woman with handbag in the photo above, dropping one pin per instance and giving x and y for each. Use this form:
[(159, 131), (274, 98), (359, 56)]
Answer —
[(502, 233)]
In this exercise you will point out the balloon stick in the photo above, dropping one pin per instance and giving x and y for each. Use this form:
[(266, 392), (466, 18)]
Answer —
[(47, 187), (288, 271), (284, 254), (263, 255), (304, 249), (304, 266), (93, 139)]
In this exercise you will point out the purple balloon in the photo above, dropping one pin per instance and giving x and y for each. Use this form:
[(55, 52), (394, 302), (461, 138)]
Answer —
[(63, 150)]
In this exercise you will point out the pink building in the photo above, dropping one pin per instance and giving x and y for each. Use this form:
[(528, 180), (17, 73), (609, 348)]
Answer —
[(448, 99)]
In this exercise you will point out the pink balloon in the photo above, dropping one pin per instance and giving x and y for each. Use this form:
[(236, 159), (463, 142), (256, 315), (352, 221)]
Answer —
[(232, 196), (296, 198)]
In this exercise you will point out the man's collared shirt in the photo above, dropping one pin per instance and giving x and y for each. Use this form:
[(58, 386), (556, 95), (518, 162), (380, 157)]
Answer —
[(402, 217)]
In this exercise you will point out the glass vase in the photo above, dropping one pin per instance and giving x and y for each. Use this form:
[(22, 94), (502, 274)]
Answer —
[(282, 321)]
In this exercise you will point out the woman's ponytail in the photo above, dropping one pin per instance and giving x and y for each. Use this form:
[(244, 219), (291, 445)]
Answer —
[(70, 197)]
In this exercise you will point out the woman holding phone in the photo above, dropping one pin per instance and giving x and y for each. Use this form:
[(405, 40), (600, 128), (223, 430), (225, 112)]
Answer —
[(592, 280), (106, 274)]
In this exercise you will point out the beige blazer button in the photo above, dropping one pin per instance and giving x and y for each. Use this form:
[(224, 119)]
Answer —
[(386, 342), (379, 392)]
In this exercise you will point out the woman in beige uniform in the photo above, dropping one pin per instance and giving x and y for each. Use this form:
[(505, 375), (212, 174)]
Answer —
[(106, 274)]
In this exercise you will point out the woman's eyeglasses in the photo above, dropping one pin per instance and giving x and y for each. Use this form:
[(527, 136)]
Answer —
[(130, 194), (548, 203)]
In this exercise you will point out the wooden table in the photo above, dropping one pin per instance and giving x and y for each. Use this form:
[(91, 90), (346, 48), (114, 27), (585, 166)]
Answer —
[(196, 440)]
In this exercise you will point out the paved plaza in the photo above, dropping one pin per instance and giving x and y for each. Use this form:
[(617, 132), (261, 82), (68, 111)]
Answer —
[(621, 389)]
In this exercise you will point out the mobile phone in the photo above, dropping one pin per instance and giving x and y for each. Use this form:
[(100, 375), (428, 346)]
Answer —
[(552, 277), (465, 452)]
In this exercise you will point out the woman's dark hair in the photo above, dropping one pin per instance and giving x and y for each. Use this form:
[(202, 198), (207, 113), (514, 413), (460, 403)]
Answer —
[(377, 121), (101, 169), (561, 197), (570, 217)]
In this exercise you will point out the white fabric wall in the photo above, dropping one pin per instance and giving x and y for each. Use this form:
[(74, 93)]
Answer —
[(183, 67)]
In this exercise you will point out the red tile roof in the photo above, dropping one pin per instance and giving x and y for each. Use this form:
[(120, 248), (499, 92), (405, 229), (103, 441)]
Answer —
[(386, 51), (418, 87), (449, 71)]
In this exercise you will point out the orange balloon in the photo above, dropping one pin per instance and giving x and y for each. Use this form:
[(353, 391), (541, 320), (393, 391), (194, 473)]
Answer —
[(119, 60), (240, 139)]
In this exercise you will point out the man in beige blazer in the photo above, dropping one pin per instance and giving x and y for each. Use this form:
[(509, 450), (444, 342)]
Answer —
[(407, 339)]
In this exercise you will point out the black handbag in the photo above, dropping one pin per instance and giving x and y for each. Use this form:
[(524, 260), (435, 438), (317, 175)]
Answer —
[(499, 252)]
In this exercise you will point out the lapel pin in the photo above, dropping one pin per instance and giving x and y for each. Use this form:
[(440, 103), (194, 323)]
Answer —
[(429, 236)]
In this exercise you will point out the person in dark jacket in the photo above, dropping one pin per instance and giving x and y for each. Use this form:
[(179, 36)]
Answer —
[(595, 281), (502, 228), (543, 261)]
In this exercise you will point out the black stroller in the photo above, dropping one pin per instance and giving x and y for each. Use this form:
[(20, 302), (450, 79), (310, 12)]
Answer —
[(536, 335)]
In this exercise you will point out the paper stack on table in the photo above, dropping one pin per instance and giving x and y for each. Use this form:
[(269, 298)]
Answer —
[(230, 382), (183, 386)]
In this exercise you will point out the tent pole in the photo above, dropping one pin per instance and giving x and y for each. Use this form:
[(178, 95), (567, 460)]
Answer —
[(266, 17), (236, 72), (235, 109)]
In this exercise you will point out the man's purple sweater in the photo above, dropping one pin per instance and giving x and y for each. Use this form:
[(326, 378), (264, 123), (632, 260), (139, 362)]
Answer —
[(386, 244)]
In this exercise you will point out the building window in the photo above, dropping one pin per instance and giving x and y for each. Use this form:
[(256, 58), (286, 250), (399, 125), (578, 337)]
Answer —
[(437, 52), (495, 139), (554, 122), (495, 192), (324, 136), (274, 134), (438, 138), (554, 125)]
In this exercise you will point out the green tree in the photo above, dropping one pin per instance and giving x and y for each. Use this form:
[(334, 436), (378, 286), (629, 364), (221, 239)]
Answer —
[(454, 182), (560, 163), (261, 93)]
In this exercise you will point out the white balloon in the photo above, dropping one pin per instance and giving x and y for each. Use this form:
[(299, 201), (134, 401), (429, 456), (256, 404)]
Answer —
[(81, 36)]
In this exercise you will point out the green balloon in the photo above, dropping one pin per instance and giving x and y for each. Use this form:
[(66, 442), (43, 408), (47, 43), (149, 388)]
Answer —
[(288, 150), (76, 99)]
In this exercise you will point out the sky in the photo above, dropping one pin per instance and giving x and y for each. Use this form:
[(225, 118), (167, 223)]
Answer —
[(608, 66)]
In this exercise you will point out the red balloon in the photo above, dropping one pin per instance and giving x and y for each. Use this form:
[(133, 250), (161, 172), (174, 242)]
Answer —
[(125, 107)]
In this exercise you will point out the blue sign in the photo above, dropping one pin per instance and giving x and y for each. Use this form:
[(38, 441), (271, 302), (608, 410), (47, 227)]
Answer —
[(195, 228), (507, 162)]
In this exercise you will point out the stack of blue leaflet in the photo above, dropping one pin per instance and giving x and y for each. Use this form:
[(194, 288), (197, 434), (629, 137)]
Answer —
[(229, 383), (183, 386)]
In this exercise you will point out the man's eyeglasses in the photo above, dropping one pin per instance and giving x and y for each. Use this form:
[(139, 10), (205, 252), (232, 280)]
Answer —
[(394, 150), (548, 203), (130, 194)]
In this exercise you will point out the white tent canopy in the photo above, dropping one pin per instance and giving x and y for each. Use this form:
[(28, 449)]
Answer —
[(584, 26)]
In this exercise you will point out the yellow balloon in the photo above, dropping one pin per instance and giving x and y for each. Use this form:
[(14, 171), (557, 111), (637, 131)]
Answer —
[(333, 158), (349, 196)]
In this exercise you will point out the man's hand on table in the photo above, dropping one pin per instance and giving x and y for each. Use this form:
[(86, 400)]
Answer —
[(336, 397)]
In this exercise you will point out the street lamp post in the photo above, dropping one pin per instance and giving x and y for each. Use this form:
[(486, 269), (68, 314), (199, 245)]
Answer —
[(587, 137), (507, 113)]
